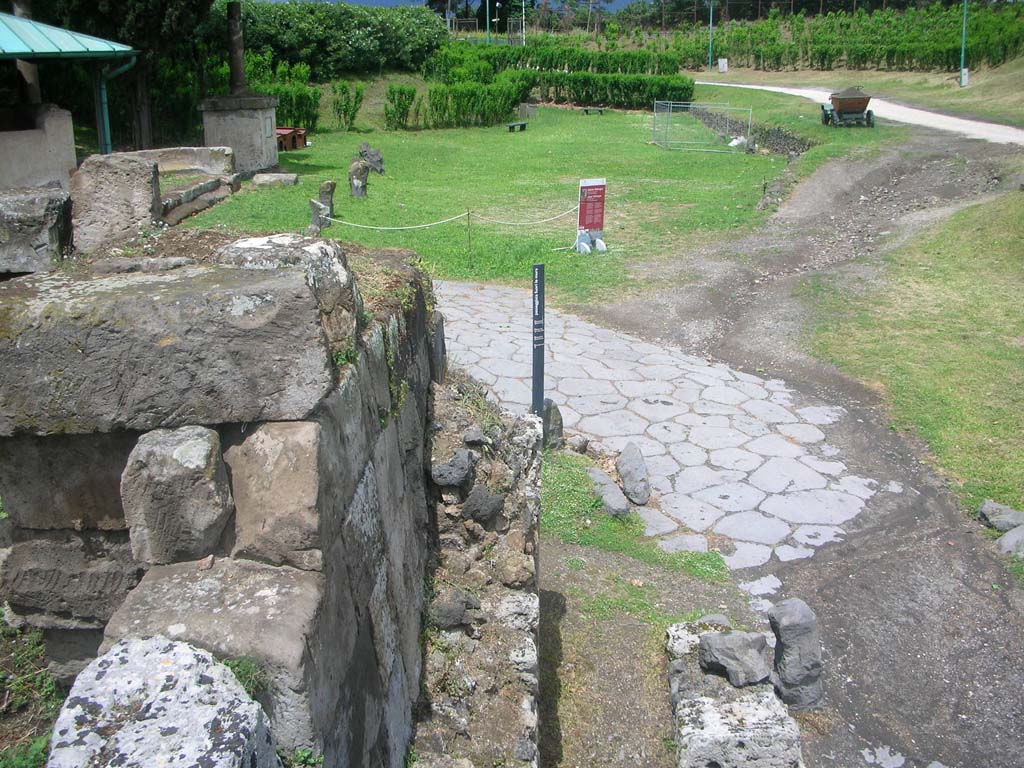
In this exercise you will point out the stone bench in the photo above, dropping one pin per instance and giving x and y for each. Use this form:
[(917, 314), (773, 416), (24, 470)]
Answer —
[(513, 127)]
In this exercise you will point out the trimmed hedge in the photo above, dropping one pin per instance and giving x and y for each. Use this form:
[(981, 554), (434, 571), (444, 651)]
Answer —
[(625, 91), (465, 104)]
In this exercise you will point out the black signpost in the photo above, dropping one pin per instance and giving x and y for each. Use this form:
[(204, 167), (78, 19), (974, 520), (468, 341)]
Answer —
[(538, 339)]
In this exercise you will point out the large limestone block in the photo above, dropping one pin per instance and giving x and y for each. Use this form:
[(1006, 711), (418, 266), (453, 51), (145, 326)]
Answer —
[(194, 345), (35, 228), (275, 475), (176, 495), (64, 481), (148, 701), (113, 197), (240, 608), (84, 576)]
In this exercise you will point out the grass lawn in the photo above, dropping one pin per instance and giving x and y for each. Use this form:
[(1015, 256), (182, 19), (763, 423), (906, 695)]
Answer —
[(993, 93), (943, 339), (655, 198)]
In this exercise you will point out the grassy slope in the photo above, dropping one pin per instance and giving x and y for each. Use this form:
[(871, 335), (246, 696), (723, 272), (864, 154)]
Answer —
[(995, 94), (655, 198), (943, 338)]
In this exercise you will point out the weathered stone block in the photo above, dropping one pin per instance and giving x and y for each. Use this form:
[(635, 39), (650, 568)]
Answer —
[(195, 345), (78, 575), (146, 700), (113, 197), (797, 653), (64, 481), (740, 656), (632, 471), (35, 228), (239, 608), (275, 475), (176, 495), (275, 179), (438, 348)]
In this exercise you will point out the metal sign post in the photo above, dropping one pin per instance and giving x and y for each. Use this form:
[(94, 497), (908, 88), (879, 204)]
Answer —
[(538, 339)]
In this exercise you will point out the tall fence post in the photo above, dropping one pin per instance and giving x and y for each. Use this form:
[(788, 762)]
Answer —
[(538, 339)]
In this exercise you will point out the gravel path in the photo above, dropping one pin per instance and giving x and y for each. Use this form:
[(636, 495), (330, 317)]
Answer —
[(974, 129), (742, 459)]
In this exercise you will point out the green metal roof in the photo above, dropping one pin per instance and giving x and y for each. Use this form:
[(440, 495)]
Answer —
[(27, 39)]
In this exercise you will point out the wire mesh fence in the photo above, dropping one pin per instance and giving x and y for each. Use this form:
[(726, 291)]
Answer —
[(702, 127)]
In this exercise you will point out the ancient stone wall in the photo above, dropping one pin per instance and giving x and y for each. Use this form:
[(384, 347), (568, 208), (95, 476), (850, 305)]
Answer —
[(231, 453)]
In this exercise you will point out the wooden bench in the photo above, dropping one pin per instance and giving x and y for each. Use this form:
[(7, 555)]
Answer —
[(588, 110), (513, 127)]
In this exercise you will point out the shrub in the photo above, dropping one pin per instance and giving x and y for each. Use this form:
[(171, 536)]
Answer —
[(249, 673), (464, 104), (625, 91), (400, 99), (346, 104)]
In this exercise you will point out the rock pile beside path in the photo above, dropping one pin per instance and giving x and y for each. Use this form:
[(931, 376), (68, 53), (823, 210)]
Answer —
[(1009, 521)]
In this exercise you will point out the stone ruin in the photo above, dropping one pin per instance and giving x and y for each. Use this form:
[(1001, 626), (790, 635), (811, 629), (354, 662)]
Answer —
[(236, 454), (367, 160)]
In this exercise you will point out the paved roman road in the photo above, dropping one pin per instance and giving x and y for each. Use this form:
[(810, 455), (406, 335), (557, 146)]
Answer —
[(735, 458)]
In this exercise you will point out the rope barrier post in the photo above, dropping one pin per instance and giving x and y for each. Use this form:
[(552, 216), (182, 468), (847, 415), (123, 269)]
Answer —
[(538, 340), (469, 236)]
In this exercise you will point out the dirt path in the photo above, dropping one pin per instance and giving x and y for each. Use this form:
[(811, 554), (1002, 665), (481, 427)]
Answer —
[(887, 110), (922, 626)]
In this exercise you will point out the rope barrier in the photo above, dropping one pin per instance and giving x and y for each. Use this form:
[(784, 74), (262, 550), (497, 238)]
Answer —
[(467, 214)]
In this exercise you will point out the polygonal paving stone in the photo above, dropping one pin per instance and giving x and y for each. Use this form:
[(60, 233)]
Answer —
[(736, 458), (659, 372), (694, 514), (768, 412), (688, 454), (504, 367), (732, 497), (816, 535), (776, 385), (687, 394), (727, 395), (612, 425), (668, 432), (615, 371), (749, 377), (661, 466), (569, 417), (766, 585), (655, 523), (693, 479), (644, 388), (861, 487), (753, 526), (513, 391), (822, 414), (781, 398), (787, 552), (703, 377), (751, 390), (750, 425), (748, 555), (590, 405), (481, 375), (647, 446), (802, 433), (779, 475), (814, 507), (696, 420), (656, 407), (828, 450), (575, 387), (775, 445), (659, 358), (565, 370), (708, 408), (713, 438), (684, 542), (662, 485), (832, 468)]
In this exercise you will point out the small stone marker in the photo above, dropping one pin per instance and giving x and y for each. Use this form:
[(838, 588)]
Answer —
[(367, 160), (797, 676), (275, 179), (741, 656), (326, 196), (1000, 516), (554, 432), (1012, 542), (614, 500), (633, 472)]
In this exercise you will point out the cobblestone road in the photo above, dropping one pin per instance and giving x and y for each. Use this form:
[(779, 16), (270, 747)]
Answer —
[(735, 458)]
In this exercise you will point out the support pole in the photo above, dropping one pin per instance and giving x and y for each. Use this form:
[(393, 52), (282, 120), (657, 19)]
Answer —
[(538, 340), (963, 47), (488, 13), (711, 30)]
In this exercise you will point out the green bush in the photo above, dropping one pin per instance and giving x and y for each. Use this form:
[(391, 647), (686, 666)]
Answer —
[(624, 91), (346, 104), (464, 104), (399, 101)]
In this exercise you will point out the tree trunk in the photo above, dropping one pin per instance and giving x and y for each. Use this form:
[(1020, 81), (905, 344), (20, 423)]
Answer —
[(143, 128)]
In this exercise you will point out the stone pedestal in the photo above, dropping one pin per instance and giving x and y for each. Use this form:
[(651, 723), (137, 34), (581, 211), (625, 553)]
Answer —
[(247, 124)]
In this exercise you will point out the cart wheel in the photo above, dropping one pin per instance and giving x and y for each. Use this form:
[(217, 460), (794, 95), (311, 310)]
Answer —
[(870, 119)]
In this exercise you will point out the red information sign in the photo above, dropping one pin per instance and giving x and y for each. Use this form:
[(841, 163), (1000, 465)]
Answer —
[(591, 215)]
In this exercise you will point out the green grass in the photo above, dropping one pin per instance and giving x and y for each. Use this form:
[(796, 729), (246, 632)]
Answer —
[(31, 699), (250, 675), (572, 512), (993, 93), (943, 340), (626, 598), (655, 198)]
